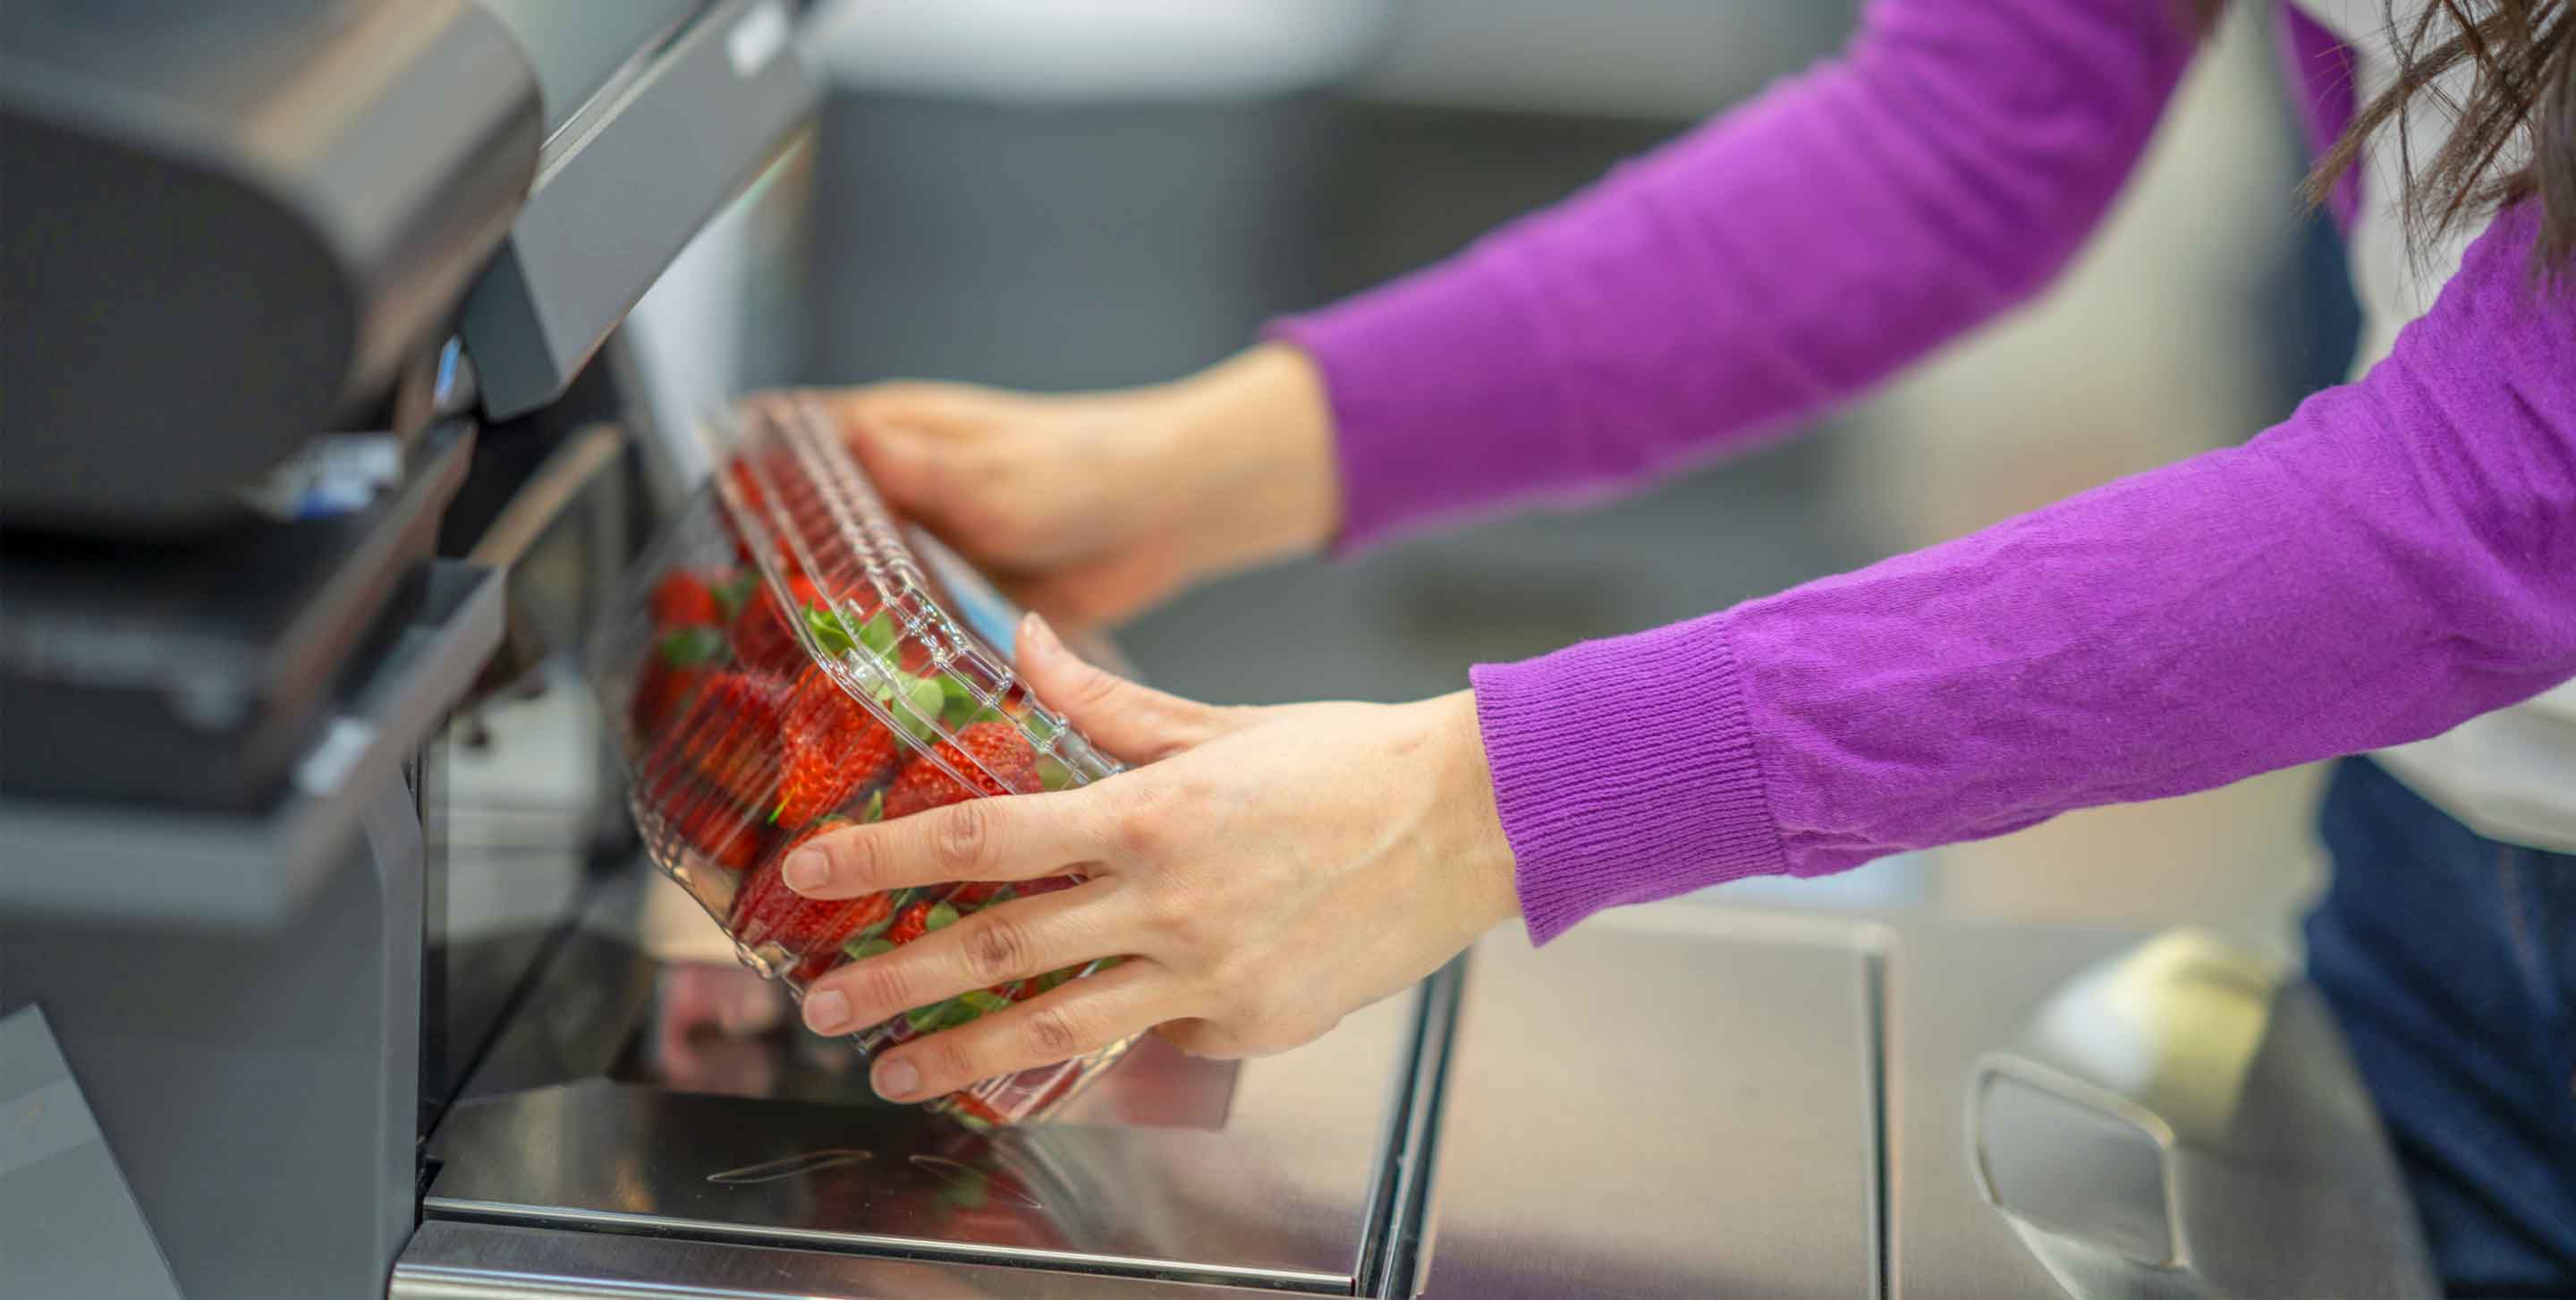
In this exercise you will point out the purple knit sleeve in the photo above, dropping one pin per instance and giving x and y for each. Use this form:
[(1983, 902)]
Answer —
[(2397, 557), (1752, 272)]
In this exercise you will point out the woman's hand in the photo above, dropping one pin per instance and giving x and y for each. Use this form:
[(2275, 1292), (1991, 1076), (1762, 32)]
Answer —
[(1265, 871), (1092, 507)]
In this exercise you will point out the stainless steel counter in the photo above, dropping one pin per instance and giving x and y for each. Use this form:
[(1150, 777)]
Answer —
[(1673, 1101), (1664, 1103)]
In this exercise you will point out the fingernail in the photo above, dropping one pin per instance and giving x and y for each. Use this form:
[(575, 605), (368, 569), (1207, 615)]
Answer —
[(806, 870), (894, 1078), (1036, 638), (826, 1012)]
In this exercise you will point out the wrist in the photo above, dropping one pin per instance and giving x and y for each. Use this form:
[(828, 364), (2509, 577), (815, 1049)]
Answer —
[(1463, 791), (1256, 434)]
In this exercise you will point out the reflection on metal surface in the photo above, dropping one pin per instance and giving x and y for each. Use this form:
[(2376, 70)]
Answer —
[(952, 1172), (2182, 1122), (2173, 1025), (770, 1171), (1673, 1102), (1140, 1202), (490, 1261)]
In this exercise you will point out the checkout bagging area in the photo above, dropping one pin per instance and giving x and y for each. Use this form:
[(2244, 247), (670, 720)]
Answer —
[(331, 964)]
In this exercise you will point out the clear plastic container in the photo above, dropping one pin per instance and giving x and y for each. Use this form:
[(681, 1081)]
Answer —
[(789, 659)]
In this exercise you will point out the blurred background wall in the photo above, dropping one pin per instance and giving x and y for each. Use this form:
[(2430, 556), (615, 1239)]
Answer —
[(1072, 193)]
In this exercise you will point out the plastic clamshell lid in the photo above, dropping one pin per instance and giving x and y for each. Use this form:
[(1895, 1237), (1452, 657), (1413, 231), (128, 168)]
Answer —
[(784, 664)]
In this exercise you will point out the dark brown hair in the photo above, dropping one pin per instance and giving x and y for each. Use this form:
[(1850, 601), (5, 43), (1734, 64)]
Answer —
[(2524, 91)]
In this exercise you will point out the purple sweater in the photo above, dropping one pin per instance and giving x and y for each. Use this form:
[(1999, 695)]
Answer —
[(2398, 556)]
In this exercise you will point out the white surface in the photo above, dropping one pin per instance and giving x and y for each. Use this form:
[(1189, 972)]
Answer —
[(1092, 51), (1641, 58)]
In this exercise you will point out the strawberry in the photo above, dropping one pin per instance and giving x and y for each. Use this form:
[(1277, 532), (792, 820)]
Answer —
[(704, 821), (974, 1110), (764, 637), (746, 486), (679, 664), (683, 598), (811, 930), (976, 893), (662, 691), (832, 750), (727, 737), (992, 755), (722, 835), (913, 923)]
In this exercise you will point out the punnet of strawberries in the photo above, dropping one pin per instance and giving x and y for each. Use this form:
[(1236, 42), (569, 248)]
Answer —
[(744, 742)]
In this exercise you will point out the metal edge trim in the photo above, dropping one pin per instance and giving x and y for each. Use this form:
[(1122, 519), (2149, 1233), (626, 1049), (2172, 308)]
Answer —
[(2069, 1087), (1403, 1238), (910, 1248), (1871, 955), (622, 86)]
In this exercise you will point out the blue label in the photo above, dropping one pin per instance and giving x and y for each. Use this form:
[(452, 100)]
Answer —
[(970, 599)]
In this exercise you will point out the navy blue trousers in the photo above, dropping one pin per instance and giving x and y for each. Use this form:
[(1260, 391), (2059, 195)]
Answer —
[(2450, 961)]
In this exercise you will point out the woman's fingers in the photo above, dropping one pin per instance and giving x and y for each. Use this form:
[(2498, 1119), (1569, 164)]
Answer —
[(1136, 724), (921, 404), (1023, 837), (1082, 1016), (1014, 941)]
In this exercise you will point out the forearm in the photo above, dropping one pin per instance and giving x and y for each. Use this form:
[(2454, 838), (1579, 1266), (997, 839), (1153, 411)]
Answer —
[(1781, 258), (2397, 557)]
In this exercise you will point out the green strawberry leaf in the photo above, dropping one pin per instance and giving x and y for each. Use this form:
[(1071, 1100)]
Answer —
[(943, 1015), (940, 917), (984, 1001), (875, 809), (1053, 774), (692, 647), (958, 707), (865, 948), (964, 1192), (735, 592), (881, 633), (829, 631), (914, 704)]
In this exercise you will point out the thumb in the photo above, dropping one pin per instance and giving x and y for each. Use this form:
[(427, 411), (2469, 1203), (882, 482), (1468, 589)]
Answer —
[(1132, 723), (1090, 594)]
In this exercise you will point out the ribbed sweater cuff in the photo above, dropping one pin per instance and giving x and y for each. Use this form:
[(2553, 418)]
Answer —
[(1625, 771)]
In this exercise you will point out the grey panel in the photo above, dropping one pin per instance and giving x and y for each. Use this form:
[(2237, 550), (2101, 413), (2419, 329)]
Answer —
[(68, 1224), (105, 862), (1683, 1111), (220, 659), (227, 223), (582, 52), (259, 1093), (620, 191)]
